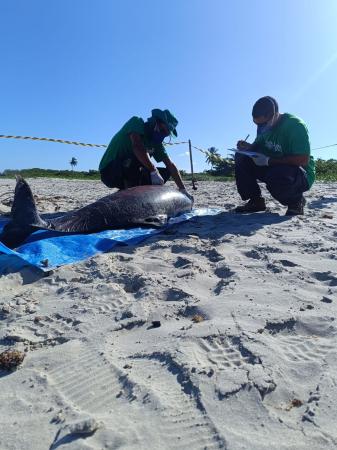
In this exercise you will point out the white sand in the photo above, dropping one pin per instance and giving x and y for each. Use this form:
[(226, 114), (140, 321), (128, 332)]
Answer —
[(259, 372)]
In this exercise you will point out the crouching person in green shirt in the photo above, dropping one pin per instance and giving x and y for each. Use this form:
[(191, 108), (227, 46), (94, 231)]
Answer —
[(127, 160), (282, 160)]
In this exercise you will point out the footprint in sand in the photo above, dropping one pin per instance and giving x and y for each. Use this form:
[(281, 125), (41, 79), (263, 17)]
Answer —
[(223, 271), (326, 277), (107, 298), (225, 274), (181, 263), (86, 380), (303, 342), (262, 252), (54, 325), (183, 249), (45, 331), (212, 255), (313, 404), (226, 353), (234, 367), (175, 295), (299, 349), (188, 266), (218, 353), (255, 254), (287, 263), (181, 411), (131, 282)]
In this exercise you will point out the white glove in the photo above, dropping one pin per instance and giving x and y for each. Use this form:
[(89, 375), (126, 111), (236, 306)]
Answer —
[(189, 196), (260, 159), (156, 178)]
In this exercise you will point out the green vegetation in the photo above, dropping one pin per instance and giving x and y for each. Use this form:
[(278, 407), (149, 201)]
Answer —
[(73, 162), (206, 176), (326, 170), (51, 173), (220, 167), (94, 175), (222, 170)]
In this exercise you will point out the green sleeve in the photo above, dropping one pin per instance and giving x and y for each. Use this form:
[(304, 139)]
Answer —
[(120, 144), (298, 140), (134, 125)]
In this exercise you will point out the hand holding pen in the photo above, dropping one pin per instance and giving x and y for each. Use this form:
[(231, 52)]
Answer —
[(243, 145)]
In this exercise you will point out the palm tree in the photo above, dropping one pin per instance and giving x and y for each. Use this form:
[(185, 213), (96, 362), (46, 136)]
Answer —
[(212, 156), (73, 163)]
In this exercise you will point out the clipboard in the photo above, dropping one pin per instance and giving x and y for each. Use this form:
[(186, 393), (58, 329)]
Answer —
[(244, 152)]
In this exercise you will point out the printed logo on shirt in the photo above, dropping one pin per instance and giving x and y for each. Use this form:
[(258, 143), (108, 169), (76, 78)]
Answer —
[(277, 148)]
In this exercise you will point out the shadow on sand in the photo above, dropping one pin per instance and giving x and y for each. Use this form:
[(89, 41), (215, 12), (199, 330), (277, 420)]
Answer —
[(322, 203), (215, 227), (207, 227)]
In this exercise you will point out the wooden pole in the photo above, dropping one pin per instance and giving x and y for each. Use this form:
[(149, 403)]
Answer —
[(191, 161)]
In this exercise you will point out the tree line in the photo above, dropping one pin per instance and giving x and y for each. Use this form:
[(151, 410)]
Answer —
[(326, 170), (221, 169)]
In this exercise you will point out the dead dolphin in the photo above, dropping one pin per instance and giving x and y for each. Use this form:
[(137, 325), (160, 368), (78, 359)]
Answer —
[(141, 205)]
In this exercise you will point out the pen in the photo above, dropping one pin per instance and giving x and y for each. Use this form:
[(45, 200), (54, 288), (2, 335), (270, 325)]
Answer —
[(246, 137)]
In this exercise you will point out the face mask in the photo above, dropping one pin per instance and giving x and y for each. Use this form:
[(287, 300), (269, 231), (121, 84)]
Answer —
[(157, 135), (261, 129), (267, 126)]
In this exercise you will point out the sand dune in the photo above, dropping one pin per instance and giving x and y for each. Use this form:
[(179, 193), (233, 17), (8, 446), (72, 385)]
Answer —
[(245, 356)]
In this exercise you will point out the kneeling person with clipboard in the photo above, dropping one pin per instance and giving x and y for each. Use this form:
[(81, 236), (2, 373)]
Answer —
[(280, 157)]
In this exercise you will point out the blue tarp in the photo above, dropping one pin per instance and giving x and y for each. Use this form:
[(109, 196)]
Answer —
[(48, 249)]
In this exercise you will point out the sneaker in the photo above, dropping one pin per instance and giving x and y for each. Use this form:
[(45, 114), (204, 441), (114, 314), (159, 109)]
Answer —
[(296, 209), (253, 205)]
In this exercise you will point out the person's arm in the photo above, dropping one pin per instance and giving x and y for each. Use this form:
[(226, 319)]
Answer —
[(293, 160), (140, 152), (175, 174)]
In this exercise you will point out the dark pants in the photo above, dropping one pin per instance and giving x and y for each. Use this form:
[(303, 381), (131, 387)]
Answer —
[(285, 183), (123, 174)]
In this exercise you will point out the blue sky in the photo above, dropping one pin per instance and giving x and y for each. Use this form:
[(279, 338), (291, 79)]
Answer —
[(79, 69)]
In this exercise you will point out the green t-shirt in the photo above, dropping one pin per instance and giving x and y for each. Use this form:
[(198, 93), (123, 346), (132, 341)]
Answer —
[(120, 146), (289, 137)]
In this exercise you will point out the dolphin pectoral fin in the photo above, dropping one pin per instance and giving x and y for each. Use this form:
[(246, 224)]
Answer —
[(14, 235), (152, 221)]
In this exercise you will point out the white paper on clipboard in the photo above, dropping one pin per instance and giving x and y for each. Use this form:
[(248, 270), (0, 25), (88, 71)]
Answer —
[(243, 152)]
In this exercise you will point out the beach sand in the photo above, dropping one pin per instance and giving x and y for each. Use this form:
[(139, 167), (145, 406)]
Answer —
[(245, 356)]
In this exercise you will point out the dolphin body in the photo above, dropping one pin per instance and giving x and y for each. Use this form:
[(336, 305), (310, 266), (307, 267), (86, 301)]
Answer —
[(141, 205)]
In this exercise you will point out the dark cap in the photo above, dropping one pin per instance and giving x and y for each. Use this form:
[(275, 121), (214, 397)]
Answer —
[(167, 118), (265, 106)]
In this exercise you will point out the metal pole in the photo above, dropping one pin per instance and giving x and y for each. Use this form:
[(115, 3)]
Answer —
[(191, 161)]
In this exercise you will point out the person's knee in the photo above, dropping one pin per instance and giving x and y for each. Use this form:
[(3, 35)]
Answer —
[(243, 162), (239, 159), (278, 186), (280, 176), (110, 182), (281, 183)]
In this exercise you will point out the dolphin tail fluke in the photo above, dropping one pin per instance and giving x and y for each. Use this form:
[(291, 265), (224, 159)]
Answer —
[(24, 215)]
